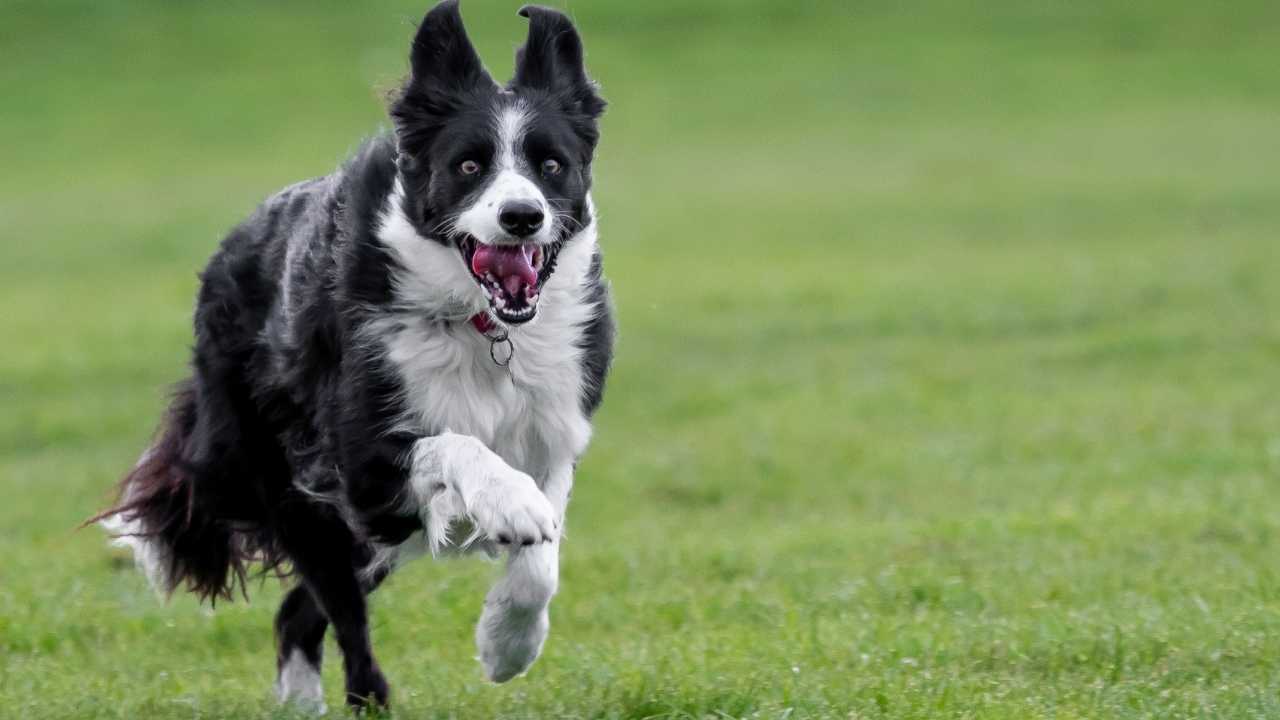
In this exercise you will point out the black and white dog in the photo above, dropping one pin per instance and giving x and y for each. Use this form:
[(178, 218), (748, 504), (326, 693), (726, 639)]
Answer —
[(399, 357)]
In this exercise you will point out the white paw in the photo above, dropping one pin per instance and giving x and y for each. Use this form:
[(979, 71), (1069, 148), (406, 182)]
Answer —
[(298, 685), (510, 509), (510, 639), (514, 622)]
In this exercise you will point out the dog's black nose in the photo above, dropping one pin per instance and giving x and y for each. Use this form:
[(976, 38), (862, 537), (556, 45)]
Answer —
[(520, 218)]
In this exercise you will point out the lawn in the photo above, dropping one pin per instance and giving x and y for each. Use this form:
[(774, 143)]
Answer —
[(948, 382)]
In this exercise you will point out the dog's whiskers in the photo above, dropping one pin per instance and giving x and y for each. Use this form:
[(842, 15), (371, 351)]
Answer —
[(447, 227), (565, 217)]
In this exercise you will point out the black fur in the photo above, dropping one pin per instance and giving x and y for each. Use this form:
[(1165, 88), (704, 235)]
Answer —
[(282, 447)]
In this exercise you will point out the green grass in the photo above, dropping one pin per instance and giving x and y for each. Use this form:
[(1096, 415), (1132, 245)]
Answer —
[(947, 384)]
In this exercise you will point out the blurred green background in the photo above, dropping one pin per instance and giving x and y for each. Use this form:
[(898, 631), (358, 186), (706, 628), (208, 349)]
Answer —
[(947, 380)]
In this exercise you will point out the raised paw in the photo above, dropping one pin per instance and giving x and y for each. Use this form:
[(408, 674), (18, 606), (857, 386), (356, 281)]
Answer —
[(510, 509)]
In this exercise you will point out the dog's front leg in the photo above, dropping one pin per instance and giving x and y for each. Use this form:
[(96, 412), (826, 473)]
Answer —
[(456, 476), (515, 620)]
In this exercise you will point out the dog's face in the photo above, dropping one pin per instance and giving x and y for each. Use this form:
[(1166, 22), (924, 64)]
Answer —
[(501, 174)]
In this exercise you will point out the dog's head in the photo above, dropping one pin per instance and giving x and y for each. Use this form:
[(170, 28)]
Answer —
[(501, 174)]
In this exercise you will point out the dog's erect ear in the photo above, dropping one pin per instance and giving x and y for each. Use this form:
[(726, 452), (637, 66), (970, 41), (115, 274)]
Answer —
[(445, 67), (551, 60), (442, 56)]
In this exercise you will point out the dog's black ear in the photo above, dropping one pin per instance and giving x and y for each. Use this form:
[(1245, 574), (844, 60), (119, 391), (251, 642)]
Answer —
[(445, 67), (551, 60), (443, 56)]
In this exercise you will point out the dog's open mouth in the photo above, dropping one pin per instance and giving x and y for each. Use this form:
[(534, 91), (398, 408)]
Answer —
[(510, 276)]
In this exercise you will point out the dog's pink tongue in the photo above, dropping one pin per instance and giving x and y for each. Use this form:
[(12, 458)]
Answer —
[(511, 264)]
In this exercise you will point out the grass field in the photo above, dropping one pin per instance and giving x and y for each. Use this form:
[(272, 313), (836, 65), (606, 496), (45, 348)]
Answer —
[(948, 383)]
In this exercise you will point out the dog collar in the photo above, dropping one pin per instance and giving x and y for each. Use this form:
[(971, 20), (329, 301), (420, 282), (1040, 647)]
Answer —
[(497, 336), (483, 322)]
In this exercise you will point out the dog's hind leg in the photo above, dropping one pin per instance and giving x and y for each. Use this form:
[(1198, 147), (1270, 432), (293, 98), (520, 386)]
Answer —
[(300, 627), (327, 555)]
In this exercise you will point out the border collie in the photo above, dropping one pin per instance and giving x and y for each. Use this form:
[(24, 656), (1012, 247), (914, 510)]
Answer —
[(400, 357)]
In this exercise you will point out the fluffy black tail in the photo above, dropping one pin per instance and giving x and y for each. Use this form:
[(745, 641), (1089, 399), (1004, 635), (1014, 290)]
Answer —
[(165, 515)]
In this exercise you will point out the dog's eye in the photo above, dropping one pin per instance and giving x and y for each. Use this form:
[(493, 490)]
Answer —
[(469, 167), (550, 166)]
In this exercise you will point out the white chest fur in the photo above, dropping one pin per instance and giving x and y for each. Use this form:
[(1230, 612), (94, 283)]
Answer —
[(527, 412)]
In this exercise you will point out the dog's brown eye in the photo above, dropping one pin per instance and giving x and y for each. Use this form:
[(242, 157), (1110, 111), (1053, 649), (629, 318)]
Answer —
[(550, 166), (469, 167)]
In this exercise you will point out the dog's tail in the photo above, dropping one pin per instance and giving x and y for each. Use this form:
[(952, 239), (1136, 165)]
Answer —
[(176, 539)]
